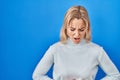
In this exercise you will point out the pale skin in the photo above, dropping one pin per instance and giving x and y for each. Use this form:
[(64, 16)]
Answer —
[(76, 30)]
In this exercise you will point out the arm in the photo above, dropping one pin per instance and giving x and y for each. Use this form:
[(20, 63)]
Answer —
[(43, 66), (108, 67)]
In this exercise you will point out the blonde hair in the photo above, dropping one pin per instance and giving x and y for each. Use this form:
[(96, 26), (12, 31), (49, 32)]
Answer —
[(78, 12)]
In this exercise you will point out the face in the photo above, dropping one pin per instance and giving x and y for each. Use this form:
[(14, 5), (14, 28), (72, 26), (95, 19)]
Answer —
[(76, 30)]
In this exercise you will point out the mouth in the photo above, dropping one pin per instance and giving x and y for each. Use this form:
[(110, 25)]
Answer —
[(76, 39)]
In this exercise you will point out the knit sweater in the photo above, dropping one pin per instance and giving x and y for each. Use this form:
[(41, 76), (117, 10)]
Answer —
[(75, 62)]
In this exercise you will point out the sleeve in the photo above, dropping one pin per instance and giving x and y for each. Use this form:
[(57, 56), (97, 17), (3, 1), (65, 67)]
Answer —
[(43, 66), (108, 67)]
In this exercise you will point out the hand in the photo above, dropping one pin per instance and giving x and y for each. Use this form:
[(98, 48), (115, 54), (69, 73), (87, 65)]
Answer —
[(72, 78), (79, 79)]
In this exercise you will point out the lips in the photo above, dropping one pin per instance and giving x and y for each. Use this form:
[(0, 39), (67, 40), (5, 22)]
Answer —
[(76, 38)]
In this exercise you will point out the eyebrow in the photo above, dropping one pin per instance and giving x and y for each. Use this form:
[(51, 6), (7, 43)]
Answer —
[(71, 27), (80, 28), (83, 27)]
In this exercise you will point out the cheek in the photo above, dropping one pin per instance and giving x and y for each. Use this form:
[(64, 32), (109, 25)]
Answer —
[(69, 33), (83, 33)]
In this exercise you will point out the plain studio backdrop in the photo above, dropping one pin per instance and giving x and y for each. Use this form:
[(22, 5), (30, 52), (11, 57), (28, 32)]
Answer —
[(29, 27)]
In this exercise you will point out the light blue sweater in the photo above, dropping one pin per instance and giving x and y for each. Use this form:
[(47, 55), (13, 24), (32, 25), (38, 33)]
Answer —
[(75, 62)]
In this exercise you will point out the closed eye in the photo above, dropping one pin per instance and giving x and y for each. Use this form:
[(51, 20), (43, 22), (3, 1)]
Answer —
[(72, 29), (82, 29)]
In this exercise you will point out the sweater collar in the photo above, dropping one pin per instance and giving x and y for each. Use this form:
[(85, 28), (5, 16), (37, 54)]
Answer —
[(70, 42)]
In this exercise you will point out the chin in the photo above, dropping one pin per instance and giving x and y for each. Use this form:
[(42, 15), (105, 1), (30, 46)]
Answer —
[(76, 42)]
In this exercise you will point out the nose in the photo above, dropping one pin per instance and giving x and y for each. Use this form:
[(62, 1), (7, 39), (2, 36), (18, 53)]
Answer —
[(77, 33)]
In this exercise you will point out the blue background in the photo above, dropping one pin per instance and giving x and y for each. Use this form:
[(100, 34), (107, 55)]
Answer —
[(29, 27)]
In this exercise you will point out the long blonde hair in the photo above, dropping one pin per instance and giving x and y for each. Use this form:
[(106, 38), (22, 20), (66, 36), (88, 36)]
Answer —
[(78, 12)]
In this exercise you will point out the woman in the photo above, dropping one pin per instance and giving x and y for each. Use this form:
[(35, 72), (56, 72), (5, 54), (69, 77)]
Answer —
[(75, 57)]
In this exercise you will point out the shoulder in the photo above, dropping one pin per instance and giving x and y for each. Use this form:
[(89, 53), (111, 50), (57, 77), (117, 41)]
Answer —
[(56, 45), (95, 46), (96, 49)]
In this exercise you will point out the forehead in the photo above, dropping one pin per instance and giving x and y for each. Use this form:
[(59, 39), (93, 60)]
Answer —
[(77, 22)]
